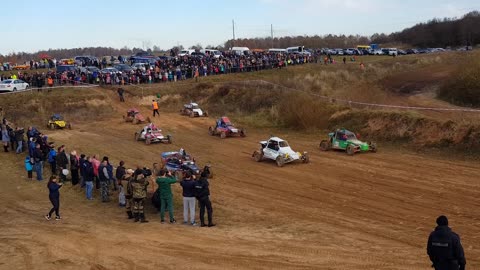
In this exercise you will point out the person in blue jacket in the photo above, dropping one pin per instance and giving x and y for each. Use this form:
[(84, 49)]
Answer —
[(52, 158), (29, 167), (54, 196)]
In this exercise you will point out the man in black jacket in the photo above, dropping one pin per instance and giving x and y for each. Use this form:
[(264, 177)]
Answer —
[(444, 247), (120, 172), (88, 177), (19, 139), (62, 162), (202, 193)]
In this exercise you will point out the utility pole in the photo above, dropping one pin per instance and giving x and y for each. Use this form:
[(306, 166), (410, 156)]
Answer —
[(271, 33), (233, 26)]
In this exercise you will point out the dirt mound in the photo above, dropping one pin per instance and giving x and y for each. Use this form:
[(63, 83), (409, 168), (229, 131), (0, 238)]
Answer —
[(77, 105), (414, 81)]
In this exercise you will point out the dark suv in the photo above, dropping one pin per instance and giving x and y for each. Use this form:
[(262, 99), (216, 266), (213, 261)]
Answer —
[(67, 68)]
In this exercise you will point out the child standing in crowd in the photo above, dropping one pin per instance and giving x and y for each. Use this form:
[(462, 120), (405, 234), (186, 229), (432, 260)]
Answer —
[(54, 196), (28, 167)]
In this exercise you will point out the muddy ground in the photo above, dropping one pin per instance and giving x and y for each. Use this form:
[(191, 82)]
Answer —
[(369, 211)]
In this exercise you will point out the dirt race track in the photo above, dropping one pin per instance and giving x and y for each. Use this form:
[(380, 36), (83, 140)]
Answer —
[(370, 211)]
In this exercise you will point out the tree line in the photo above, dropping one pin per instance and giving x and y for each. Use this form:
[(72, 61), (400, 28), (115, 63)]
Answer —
[(446, 32), (454, 32)]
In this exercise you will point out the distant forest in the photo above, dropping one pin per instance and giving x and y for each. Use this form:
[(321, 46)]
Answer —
[(447, 32)]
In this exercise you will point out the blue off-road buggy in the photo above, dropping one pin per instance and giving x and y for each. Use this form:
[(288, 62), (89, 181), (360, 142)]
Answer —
[(179, 163)]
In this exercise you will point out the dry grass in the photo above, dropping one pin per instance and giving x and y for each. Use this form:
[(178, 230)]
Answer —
[(463, 88), (33, 108)]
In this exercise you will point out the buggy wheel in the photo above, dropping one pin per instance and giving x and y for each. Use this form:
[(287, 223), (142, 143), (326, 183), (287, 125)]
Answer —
[(52, 126), (210, 131), (373, 147), (306, 158), (243, 133), (69, 126), (135, 121), (148, 141), (223, 135), (280, 161), (258, 156), (192, 114), (325, 145), (350, 150)]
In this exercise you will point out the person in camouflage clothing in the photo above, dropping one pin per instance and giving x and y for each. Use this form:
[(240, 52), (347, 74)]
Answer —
[(139, 194), (126, 180)]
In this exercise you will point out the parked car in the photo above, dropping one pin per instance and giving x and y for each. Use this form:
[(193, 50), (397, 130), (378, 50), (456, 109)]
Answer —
[(339, 52), (402, 52), (13, 85), (378, 52), (21, 67), (350, 51), (411, 51), (109, 70), (123, 68), (198, 54), (185, 52), (67, 68), (141, 66)]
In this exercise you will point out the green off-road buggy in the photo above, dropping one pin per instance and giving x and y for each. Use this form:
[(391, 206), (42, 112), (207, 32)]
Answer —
[(345, 140)]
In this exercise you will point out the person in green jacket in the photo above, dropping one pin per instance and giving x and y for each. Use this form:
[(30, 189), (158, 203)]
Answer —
[(164, 183)]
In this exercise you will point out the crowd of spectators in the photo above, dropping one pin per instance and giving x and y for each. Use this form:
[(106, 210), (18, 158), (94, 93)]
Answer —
[(164, 69)]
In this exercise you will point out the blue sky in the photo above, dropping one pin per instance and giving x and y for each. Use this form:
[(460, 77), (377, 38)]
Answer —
[(34, 25)]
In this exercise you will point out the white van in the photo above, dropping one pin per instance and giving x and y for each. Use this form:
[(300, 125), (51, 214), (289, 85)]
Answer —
[(185, 52), (212, 52), (273, 50), (240, 50), (296, 49), (392, 51)]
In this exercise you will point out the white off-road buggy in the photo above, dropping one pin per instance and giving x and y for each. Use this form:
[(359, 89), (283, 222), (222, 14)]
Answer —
[(278, 150), (151, 134), (193, 110)]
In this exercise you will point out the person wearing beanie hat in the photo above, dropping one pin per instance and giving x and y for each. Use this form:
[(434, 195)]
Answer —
[(444, 247)]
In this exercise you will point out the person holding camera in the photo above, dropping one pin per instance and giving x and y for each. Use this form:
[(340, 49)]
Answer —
[(54, 196), (164, 183), (188, 186)]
